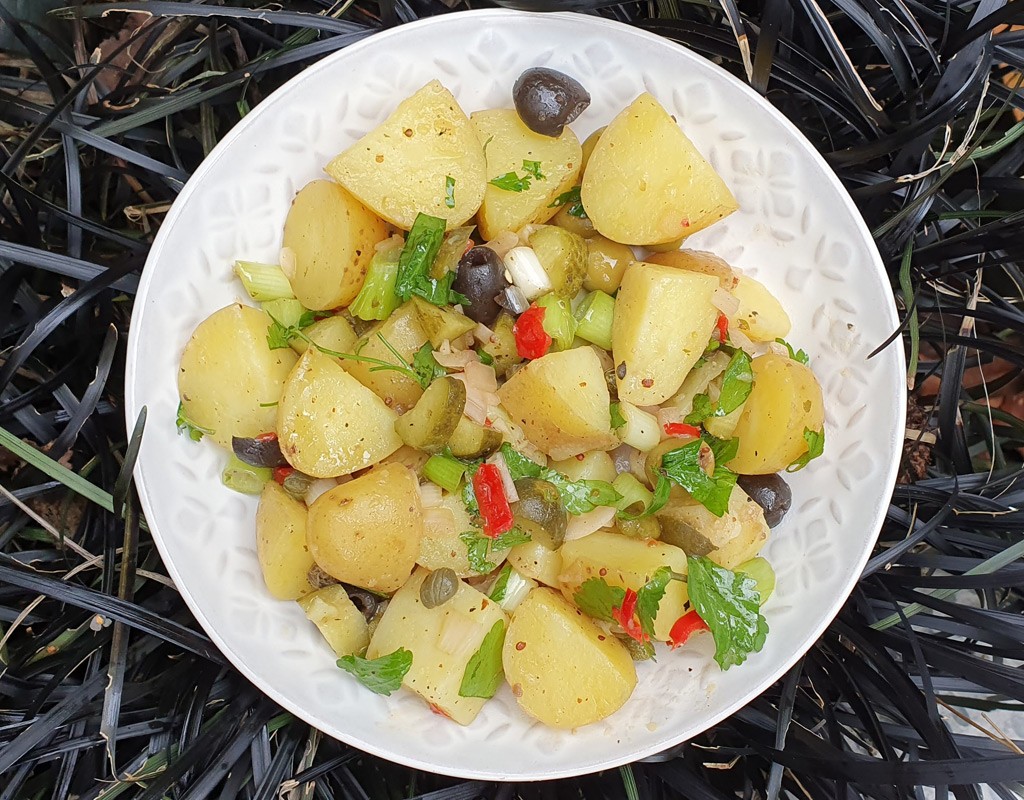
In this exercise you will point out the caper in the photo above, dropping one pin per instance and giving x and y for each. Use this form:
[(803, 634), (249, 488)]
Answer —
[(439, 587)]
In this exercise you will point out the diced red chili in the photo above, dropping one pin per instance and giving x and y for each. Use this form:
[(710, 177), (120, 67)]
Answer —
[(626, 616), (280, 473), (490, 496), (683, 627), (269, 436), (681, 429), (532, 341), (722, 328)]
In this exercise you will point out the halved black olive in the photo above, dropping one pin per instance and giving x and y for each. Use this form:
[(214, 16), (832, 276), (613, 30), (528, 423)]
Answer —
[(366, 602), (770, 492), (261, 451), (548, 100), (481, 278)]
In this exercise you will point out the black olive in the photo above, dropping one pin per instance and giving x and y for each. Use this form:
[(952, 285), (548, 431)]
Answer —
[(770, 492), (481, 278), (548, 100), (263, 451), (365, 601)]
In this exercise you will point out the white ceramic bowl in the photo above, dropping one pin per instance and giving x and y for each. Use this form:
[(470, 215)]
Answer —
[(797, 231)]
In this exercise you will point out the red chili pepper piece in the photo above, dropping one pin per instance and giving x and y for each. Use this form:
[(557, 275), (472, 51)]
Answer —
[(532, 341), (625, 615), (722, 327), (280, 473), (490, 496), (681, 429), (269, 436), (683, 627)]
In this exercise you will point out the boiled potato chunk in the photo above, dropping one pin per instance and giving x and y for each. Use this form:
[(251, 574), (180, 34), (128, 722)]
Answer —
[(328, 423), (697, 261), (646, 183), (533, 560), (663, 322), (281, 543), (563, 669), (441, 546), (367, 532), (507, 143), (760, 315), (786, 400), (229, 379), (405, 165), (333, 333), (331, 237), (728, 540), (341, 623), (404, 331), (441, 639), (628, 563)]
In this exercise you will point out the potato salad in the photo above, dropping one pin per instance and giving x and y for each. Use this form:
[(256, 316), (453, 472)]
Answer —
[(504, 426)]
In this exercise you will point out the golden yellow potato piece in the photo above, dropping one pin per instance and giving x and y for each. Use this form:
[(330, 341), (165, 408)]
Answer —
[(339, 621), (646, 183), (442, 640), (281, 543), (404, 331), (328, 423), (563, 669), (561, 401), (228, 378), (760, 315), (786, 400), (331, 237), (533, 560), (367, 532), (507, 144), (425, 157), (334, 333), (663, 322)]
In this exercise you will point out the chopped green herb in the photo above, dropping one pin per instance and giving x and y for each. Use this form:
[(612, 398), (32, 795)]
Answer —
[(510, 182), (421, 248), (533, 168), (578, 497), (449, 191), (597, 599), (381, 675), (682, 466), (737, 382), (648, 599), (501, 584), (702, 409), (510, 539), (278, 336), (479, 547), (730, 605), (572, 198), (185, 425), (426, 367), (815, 447), (484, 673), (617, 419), (269, 405), (798, 355), (485, 358)]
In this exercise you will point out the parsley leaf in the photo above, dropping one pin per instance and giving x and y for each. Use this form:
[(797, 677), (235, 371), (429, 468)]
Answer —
[(511, 182), (449, 191), (533, 168), (798, 355), (730, 605), (278, 336), (479, 547), (597, 599), (815, 447), (501, 584), (425, 366), (381, 675), (469, 496), (649, 598), (485, 358), (421, 248), (510, 539), (617, 419), (483, 670), (578, 497), (572, 198), (185, 425), (702, 409), (737, 382), (682, 466)]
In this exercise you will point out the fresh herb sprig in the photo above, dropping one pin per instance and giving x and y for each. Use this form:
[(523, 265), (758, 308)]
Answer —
[(731, 606), (578, 497), (185, 425), (382, 675)]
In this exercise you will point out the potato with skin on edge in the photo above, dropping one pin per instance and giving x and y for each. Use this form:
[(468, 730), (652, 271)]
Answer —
[(424, 158), (329, 424), (646, 183), (367, 532), (331, 236), (563, 669), (228, 378), (281, 543), (342, 625)]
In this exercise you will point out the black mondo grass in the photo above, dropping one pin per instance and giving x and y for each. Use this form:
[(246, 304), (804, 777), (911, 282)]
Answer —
[(107, 686)]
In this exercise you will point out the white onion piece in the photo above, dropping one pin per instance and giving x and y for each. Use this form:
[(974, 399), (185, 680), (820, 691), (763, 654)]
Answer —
[(483, 334), (744, 342), (430, 495), (438, 519), (498, 460), (778, 349), (387, 244), (527, 273), (317, 488), (460, 633), (482, 376), (512, 299), (670, 414), (457, 359), (724, 301), (586, 524), (464, 342), (503, 242)]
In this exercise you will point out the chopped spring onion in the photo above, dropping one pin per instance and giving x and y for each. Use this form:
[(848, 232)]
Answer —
[(559, 323), (244, 478), (527, 273), (286, 311), (263, 281), (633, 493), (595, 316), (761, 572), (445, 471), (377, 299), (641, 429), (510, 589)]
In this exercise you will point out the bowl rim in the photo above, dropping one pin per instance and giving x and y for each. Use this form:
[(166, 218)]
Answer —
[(505, 17)]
